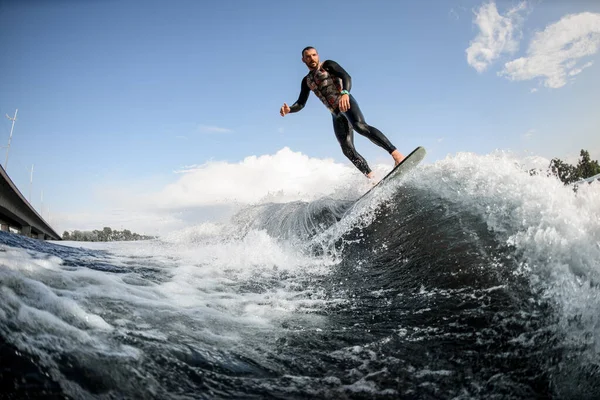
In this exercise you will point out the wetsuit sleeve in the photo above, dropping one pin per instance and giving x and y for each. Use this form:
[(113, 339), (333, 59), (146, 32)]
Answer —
[(336, 70), (301, 102)]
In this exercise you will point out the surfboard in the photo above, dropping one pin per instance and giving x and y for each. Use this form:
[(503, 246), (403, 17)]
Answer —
[(411, 161)]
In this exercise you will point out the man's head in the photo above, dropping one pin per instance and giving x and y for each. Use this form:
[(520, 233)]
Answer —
[(310, 57)]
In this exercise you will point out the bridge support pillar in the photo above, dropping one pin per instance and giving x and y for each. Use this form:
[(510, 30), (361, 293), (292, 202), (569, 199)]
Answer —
[(41, 236), (26, 231), (4, 227)]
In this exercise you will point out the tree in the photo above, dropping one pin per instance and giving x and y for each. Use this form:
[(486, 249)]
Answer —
[(105, 235), (565, 172), (66, 235), (586, 167), (569, 174)]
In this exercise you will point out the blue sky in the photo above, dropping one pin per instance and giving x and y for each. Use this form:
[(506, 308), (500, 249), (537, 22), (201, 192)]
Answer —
[(116, 98)]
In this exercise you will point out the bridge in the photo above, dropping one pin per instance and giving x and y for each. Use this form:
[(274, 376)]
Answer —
[(17, 213)]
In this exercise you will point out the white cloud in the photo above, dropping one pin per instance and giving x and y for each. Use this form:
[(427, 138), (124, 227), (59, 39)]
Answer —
[(497, 35), (553, 54), (213, 129), (533, 90), (457, 12), (216, 189), (186, 168), (577, 71), (286, 174), (529, 134), (452, 13)]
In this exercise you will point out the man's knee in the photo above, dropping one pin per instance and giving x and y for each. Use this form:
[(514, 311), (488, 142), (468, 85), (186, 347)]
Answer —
[(362, 128)]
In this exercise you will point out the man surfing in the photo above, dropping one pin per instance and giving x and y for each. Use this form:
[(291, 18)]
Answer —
[(332, 84)]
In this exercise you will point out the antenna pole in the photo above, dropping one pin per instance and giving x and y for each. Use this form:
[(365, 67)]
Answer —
[(13, 119)]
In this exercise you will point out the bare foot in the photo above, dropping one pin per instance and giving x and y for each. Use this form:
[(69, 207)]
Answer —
[(373, 179), (398, 157)]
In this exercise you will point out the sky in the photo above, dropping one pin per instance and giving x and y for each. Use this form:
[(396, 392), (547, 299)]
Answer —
[(153, 115)]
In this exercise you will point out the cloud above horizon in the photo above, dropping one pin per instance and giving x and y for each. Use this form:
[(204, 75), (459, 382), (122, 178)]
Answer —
[(554, 54), (498, 34), (213, 129), (217, 189), (529, 134), (285, 175)]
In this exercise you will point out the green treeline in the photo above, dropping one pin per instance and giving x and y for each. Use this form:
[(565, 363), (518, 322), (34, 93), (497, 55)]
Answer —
[(105, 235), (568, 173)]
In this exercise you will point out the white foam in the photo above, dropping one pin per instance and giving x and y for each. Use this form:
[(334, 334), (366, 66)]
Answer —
[(555, 230), (215, 285), (223, 283), (216, 272)]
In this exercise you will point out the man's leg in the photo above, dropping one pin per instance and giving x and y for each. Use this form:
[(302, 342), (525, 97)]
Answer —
[(345, 136), (357, 120)]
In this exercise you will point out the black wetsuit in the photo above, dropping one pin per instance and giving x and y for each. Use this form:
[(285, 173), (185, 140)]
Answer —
[(345, 122)]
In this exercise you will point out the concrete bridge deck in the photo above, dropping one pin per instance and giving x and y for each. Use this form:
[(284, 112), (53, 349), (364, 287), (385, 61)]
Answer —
[(17, 213)]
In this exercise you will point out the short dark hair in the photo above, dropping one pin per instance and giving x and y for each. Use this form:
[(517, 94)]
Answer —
[(307, 48)]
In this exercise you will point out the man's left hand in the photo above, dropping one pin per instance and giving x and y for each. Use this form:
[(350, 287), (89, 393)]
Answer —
[(344, 103)]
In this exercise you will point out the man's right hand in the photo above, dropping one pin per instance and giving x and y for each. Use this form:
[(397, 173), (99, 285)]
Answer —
[(285, 109)]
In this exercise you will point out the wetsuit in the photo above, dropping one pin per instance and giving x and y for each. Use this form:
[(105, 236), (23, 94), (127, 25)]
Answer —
[(326, 82)]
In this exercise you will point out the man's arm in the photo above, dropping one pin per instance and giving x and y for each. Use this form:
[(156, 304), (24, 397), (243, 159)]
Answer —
[(336, 70), (301, 102)]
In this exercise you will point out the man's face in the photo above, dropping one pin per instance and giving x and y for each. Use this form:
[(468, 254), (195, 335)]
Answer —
[(311, 58)]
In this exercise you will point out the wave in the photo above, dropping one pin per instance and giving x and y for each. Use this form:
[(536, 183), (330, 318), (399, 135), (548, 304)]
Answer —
[(468, 278)]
